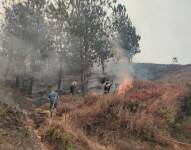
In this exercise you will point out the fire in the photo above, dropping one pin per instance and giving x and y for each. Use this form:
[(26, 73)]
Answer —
[(94, 93), (127, 84)]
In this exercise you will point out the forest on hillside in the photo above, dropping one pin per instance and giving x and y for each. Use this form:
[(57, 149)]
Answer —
[(55, 42)]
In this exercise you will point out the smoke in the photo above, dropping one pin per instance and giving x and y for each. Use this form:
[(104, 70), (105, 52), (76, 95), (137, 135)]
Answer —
[(119, 67), (20, 58), (24, 56)]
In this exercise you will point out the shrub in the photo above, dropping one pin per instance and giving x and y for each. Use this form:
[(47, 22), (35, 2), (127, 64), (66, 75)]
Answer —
[(55, 136), (186, 103), (182, 124)]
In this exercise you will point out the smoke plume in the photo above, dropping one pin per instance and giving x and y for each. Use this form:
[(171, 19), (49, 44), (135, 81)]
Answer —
[(119, 66)]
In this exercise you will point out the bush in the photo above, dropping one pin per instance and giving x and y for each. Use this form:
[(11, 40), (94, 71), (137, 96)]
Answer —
[(55, 136), (116, 116), (182, 124), (186, 103)]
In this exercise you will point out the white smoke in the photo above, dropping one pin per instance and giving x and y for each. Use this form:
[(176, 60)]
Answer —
[(119, 66)]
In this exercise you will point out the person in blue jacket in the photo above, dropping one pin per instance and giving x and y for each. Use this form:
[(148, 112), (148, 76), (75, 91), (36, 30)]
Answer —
[(53, 98)]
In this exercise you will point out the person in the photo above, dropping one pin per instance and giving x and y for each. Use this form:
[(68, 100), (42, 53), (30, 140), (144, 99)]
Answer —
[(53, 98), (114, 87), (107, 86), (73, 87)]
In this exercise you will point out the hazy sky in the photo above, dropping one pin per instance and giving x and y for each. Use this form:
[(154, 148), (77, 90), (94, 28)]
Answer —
[(165, 28)]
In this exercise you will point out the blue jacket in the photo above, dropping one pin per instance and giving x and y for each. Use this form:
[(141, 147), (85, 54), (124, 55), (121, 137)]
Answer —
[(53, 96)]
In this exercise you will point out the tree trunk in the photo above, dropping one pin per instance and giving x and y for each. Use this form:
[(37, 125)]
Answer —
[(60, 74), (82, 82), (17, 82), (130, 58), (7, 70), (31, 86), (84, 57), (102, 66)]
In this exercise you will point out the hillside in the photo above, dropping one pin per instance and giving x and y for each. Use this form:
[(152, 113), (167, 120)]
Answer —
[(162, 72), (144, 117), (14, 132), (148, 115)]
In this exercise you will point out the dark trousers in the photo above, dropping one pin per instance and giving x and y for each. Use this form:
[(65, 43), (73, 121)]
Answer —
[(106, 90), (72, 89), (53, 105)]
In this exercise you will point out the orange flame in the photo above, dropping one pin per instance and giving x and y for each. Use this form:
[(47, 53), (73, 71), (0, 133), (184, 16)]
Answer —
[(124, 86), (94, 94)]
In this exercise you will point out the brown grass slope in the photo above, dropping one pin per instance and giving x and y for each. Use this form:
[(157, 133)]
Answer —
[(14, 134), (139, 119)]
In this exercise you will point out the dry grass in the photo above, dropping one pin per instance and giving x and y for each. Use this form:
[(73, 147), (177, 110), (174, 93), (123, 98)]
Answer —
[(133, 120), (14, 134), (112, 119)]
